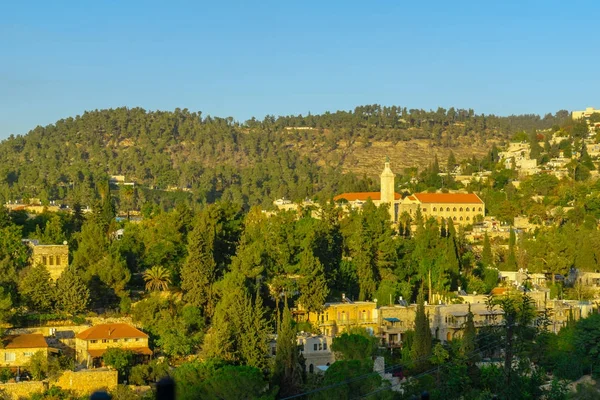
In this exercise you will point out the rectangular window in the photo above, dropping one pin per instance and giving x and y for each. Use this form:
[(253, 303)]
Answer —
[(320, 346), (44, 260), (9, 357), (127, 340), (27, 353), (93, 341), (50, 260), (57, 260), (138, 339), (325, 346), (104, 340), (315, 347), (115, 340)]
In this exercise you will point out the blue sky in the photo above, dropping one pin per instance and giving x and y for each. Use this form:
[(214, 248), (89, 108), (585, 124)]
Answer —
[(239, 59)]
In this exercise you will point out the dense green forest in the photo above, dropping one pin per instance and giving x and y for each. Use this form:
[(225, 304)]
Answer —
[(248, 163)]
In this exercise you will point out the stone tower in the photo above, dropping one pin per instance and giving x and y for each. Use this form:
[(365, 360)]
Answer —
[(387, 189)]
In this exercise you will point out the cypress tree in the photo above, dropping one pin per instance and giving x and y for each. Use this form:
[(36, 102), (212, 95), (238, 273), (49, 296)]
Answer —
[(199, 271), (287, 374), (421, 347), (487, 258), (468, 344), (313, 286)]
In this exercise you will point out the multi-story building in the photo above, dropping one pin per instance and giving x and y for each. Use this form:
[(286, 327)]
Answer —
[(18, 349), (585, 114), (92, 343), (461, 208), (338, 317), (54, 257)]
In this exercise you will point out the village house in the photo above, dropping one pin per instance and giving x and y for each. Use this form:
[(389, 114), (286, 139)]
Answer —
[(92, 343), (338, 317), (18, 349), (316, 350)]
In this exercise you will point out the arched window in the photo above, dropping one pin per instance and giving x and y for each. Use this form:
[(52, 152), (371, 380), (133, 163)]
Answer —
[(434, 209), (467, 218), (479, 208), (454, 209), (467, 209), (448, 209), (460, 209), (453, 218), (311, 368), (461, 218), (424, 210)]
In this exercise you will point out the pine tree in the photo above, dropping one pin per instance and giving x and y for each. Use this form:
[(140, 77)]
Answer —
[(35, 287), (199, 271), (72, 295), (287, 374), (312, 285), (254, 337), (421, 347), (487, 258)]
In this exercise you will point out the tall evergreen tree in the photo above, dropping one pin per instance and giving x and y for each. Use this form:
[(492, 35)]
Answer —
[(469, 344), (72, 295), (287, 374), (36, 288), (421, 347), (198, 274), (487, 258), (312, 285)]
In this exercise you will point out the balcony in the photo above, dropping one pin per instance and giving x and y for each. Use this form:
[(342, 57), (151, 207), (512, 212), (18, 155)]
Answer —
[(347, 322)]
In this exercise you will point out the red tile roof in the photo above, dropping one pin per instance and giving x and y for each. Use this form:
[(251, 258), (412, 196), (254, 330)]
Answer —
[(111, 331), (448, 198), (362, 196), (139, 350), (26, 341)]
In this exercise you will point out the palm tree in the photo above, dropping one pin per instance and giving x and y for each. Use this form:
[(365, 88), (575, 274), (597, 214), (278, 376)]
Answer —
[(157, 278)]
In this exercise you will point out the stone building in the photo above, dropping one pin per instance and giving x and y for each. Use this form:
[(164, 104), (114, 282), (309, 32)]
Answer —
[(338, 317), (92, 343), (463, 208), (55, 257), (18, 349)]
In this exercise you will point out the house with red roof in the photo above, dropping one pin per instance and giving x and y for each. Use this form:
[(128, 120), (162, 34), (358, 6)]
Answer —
[(16, 350), (462, 208), (92, 343)]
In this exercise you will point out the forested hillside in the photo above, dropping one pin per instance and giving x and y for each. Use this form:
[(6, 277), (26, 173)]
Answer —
[(248, 163)]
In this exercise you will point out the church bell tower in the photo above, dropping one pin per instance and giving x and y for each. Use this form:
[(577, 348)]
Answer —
[(387, 189)]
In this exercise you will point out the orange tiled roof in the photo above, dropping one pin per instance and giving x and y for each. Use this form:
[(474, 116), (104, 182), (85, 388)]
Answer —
[(448, 198), (139, 350), (111, 331), (363, 196), (26, 341)]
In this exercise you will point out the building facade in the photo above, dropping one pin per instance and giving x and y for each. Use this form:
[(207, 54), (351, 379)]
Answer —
[(461, 208), (336, 318), (18, 349), (54, 257), (92, 343)]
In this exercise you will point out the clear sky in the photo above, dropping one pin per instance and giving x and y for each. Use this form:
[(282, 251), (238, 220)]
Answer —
[(244, 59)]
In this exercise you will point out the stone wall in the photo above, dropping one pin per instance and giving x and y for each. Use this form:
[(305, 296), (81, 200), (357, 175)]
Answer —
[(88, 381), (21, 390)]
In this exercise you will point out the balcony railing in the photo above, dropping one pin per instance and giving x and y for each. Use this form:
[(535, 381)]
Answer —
[(344, 322)]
